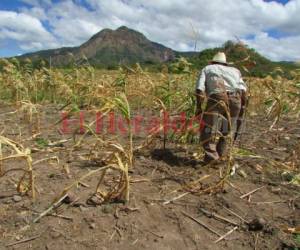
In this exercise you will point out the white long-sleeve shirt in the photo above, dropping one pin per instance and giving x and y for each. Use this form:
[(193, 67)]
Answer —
[(211, 75)]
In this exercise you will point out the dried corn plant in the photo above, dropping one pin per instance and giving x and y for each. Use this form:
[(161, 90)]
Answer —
[(23, 186), (31, 114), (118, 157), (127, 90), (275, 97)]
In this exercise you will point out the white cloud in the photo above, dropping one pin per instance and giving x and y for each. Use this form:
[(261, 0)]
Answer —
[(24, 29), (176, 23), (37, 2), (73, 24), (32, 46), (36, 12), (277, 49)]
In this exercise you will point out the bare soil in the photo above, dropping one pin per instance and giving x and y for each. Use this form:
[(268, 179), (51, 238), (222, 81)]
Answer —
[(158, 176)]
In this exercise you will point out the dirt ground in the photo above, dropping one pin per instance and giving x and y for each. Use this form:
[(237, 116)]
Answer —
[(258, 221)]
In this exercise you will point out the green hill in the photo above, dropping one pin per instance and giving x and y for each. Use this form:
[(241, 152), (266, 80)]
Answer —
[(246, 59)]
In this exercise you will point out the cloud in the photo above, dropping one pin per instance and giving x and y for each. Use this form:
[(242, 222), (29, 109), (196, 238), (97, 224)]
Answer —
[(37, 2), (177, 23), (26, 30), (73, 24), (277, 49), (36, 12)]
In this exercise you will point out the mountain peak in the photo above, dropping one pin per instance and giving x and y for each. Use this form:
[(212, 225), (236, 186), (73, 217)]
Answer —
[(123, 28), (112, 47), (122, 31)]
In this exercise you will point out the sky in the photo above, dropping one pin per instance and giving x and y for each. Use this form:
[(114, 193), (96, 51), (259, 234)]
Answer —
[(270, 27)]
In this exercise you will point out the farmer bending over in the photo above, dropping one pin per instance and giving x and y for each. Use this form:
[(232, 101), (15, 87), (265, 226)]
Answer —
[(225, 91)]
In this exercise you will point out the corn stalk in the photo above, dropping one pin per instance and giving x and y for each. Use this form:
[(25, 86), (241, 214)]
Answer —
[(20, 153)]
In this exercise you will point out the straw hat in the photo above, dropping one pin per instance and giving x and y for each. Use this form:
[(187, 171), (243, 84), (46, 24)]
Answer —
[(220, 57)]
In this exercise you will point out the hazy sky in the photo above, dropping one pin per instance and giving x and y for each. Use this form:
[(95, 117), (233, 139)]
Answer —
[(271, 27)]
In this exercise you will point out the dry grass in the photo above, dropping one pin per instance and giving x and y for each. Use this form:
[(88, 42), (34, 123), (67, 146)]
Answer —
[(18, 151), (124, 91)]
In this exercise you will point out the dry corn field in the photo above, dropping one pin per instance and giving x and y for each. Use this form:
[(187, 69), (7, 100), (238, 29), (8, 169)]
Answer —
[(90, 159)]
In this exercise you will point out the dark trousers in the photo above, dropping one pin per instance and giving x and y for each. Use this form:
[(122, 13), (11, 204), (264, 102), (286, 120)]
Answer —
[(220, 117)]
